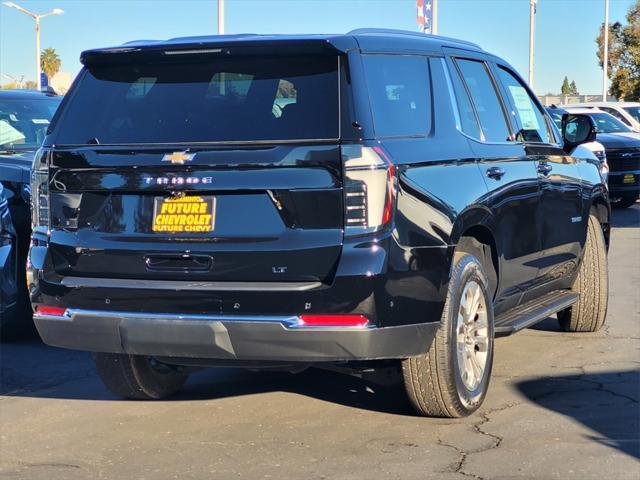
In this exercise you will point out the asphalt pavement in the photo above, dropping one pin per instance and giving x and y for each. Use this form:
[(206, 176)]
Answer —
[(560, 406)]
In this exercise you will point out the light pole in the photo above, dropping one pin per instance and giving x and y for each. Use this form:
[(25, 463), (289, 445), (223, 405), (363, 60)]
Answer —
[(220, 17), (605, 52), (532, 37), (434, 21), (36, 17), (15, 80)]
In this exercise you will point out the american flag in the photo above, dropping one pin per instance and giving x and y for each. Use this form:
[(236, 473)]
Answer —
[(425, 15)]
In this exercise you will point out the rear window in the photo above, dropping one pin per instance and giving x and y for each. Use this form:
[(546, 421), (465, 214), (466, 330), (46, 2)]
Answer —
[(232, 99)]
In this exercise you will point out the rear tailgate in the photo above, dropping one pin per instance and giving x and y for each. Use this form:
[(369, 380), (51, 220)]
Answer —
[(199, 168)]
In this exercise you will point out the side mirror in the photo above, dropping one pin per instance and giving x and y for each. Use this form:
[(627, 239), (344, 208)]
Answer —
[(577, 129)]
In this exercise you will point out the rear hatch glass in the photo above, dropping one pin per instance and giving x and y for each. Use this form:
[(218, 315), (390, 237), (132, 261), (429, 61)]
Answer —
[(226, 99)]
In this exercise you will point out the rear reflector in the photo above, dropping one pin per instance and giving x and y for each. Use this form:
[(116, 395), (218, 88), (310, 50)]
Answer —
[(53, 311), (333, 321)]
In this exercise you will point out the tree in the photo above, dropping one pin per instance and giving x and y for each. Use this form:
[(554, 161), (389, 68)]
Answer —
[(624, 55), (573, 87), (566, 88), (49, 62)]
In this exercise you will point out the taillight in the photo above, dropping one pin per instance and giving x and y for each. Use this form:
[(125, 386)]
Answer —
[(50, 311), (333, 321), (369, 184), (40, 191)]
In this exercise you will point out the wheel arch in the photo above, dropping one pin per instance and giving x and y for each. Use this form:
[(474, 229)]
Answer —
[(477, 224), (601, 209)]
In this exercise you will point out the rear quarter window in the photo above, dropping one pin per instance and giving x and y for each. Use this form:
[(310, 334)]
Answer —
[(400, 94)]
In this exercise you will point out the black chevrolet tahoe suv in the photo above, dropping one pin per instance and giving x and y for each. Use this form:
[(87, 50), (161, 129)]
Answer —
[(370, 201)]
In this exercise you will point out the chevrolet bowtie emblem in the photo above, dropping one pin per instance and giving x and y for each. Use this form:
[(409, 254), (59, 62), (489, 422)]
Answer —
[(178, 158)]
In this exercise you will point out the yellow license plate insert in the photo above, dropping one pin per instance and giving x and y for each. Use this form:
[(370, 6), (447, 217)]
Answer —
[(184, 214), (629, 178)]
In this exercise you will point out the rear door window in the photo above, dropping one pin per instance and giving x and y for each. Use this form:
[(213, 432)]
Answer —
[(230, 99), (468, 118), (485, 100), (400, 94)]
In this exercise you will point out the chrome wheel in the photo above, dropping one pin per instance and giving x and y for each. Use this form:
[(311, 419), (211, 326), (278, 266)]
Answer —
[(472, 335)]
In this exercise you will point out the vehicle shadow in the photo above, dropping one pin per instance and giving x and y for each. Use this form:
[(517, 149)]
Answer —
[(31, 369), (606, 403), (626, 217)]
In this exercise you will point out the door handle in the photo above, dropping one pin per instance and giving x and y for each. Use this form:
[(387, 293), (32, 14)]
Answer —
[(544, 169), (495, 172)]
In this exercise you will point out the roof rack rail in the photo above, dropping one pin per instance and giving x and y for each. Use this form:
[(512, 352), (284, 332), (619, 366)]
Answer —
[(392, 31)]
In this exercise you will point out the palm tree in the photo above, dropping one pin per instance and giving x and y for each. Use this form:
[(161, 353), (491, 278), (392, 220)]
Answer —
[(50, 62)]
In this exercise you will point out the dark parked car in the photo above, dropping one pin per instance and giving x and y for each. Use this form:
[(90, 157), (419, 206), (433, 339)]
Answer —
[(622, 148), (408, 202), (24, 118)]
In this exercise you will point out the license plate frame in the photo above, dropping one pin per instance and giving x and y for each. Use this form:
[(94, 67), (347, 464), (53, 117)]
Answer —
[(185, 214)]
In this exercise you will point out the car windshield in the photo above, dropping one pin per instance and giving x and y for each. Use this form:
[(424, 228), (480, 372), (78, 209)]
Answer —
[(605, 123), (557, 118), (24, 122), (634, 112), (234, 99)]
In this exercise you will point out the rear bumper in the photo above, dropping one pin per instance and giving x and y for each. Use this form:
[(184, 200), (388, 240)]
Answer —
[(274, 338)]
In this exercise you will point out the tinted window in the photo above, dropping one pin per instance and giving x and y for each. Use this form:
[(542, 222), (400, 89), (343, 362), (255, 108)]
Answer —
[(634, 112), (615, 113), (485, 100), (533, 126), (605, 123), (468, 120), (230, 99), (24, 122), (399, 92)]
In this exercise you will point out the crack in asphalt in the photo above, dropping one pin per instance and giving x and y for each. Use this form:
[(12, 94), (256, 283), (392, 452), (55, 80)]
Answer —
[(458, 467), (601, 386)]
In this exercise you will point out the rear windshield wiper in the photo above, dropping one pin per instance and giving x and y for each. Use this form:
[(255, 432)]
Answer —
[(93, 141)]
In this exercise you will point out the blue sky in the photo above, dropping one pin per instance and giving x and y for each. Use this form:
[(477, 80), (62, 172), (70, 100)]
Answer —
[(565, 34)]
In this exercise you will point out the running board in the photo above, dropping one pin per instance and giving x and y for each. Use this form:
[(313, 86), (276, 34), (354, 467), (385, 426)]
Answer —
[(533, 312)]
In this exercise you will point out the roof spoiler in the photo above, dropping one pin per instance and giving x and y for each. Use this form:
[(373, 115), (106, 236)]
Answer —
[(165, 51)]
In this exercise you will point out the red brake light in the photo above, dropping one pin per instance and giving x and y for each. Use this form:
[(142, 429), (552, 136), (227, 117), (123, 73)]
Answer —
[(53, 311), (388, 207), (333, 321)]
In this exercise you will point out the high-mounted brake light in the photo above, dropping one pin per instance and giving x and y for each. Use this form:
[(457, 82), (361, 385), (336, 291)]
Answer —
[(333, 321), (52, 311), (369, 179)]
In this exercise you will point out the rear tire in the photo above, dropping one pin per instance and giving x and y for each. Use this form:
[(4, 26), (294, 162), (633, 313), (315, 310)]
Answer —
[(136, 377), (625, 202), (438, 382), (592, 284)]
